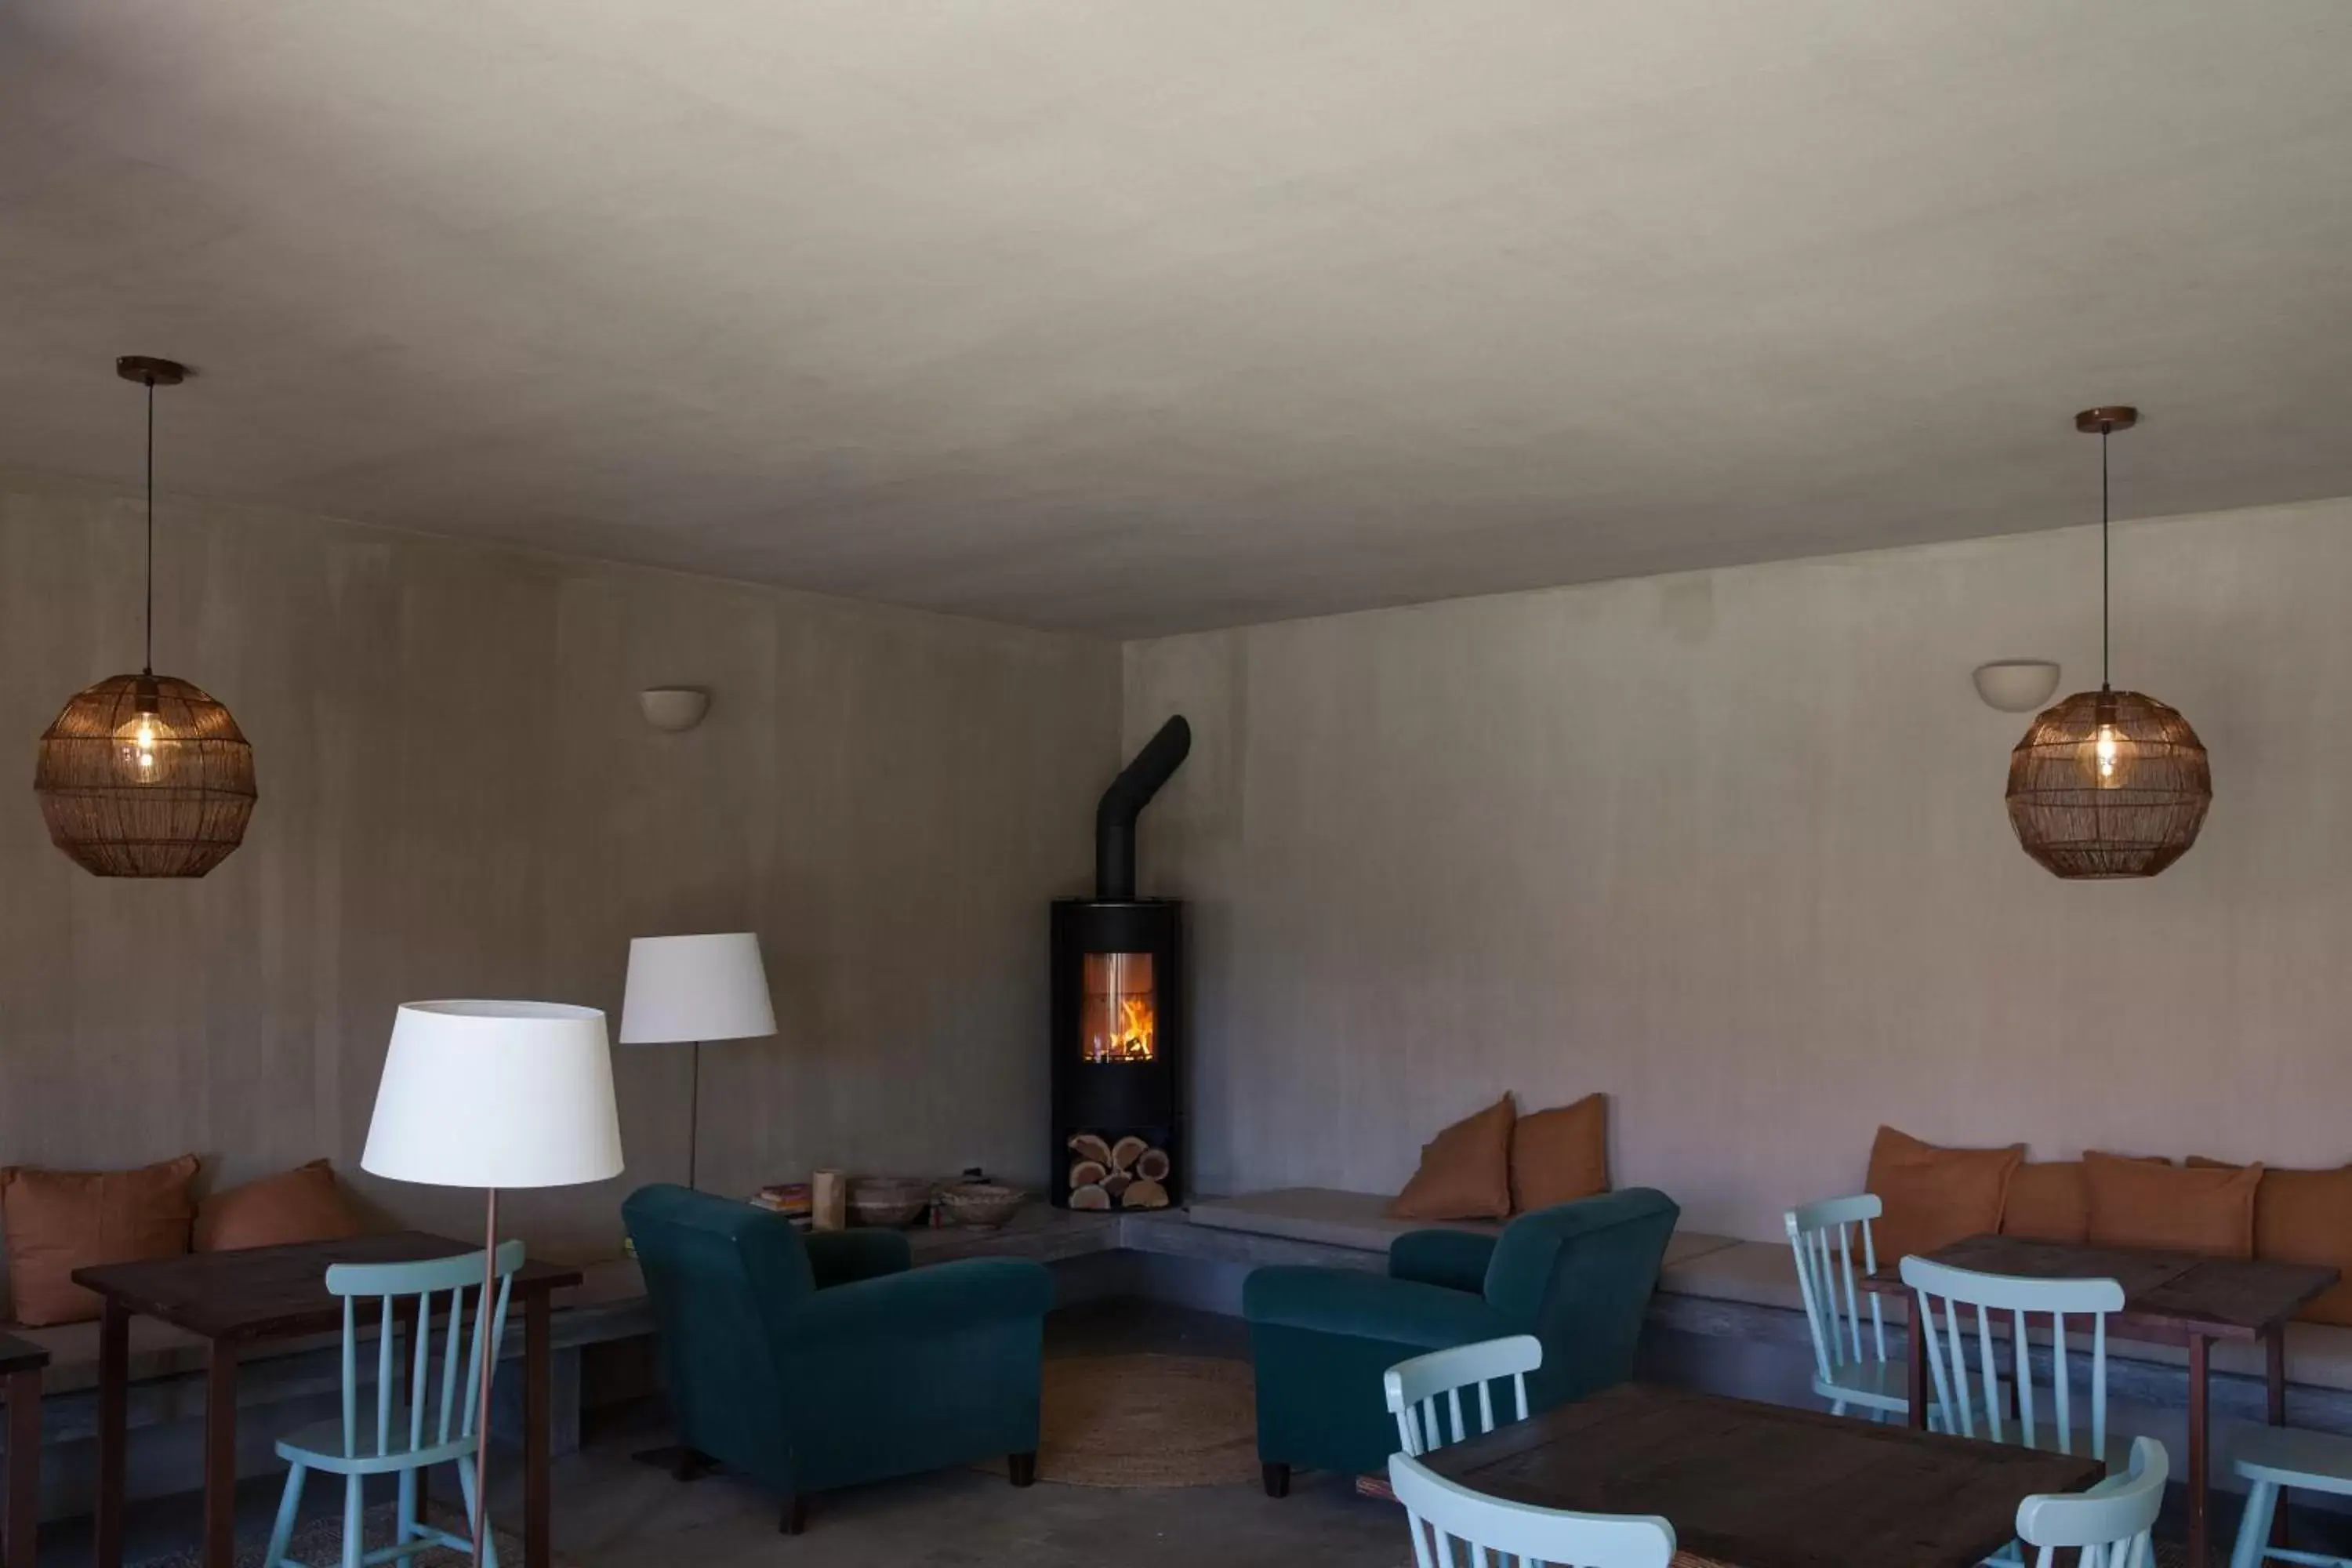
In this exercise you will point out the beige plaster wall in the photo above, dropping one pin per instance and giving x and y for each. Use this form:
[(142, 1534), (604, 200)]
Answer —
[(1731, 846), (460, 798)]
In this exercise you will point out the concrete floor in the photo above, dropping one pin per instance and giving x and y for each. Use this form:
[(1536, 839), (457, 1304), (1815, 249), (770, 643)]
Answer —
[(613, 1512)]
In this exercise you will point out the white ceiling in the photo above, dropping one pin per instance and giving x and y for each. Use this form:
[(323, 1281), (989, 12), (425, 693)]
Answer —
[(1143, 317)]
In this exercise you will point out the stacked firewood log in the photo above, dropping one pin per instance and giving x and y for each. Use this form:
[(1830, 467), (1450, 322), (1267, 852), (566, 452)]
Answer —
[(1129, 1175)]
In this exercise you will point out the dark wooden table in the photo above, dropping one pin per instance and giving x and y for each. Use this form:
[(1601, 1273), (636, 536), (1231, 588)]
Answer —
[(1765, 1486), (238, 1299), (21, 1362), (2169, 1297)]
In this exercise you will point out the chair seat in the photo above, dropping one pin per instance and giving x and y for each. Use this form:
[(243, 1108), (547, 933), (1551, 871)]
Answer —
[(319, 1446), (2290, 1457), (1873, 1384)]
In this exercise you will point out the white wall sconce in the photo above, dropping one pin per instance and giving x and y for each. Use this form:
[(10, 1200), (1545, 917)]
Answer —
[(674, 709), (2016, 685)]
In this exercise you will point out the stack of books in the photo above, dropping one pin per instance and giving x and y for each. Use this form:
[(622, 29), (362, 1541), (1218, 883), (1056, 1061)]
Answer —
[(790, 1199)]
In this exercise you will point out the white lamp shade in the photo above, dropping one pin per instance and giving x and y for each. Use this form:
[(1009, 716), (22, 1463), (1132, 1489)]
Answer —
[(496, 1094), (695, 988)]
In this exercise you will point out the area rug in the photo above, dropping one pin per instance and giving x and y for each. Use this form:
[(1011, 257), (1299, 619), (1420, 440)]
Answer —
[(319, 1542), (1147, 1421)]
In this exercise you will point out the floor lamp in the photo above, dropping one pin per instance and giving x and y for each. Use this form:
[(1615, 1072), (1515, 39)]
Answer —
[(491, 1095), (684, 990)]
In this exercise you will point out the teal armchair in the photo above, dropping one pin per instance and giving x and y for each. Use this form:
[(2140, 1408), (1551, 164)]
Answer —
[(1578, 1277), (808, 1363)]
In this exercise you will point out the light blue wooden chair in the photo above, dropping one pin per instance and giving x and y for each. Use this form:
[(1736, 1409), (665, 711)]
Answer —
[(1442, 1512), (2109, 1524), (1850, 1370), (403, 1440), (1415, 1386), (1971, 1398), (2272, 1459)]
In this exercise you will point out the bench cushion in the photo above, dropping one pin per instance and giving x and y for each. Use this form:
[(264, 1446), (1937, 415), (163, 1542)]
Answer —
[(1754, 1273), (1359, 1220), (1324, 1214)]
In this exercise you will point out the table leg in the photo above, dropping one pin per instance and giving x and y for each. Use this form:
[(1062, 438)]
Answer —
[(113, 1397), (24, 1466), (2195, 1481), (2275, 1379), (1915, 1355), (537, 1437), (220, 1456)]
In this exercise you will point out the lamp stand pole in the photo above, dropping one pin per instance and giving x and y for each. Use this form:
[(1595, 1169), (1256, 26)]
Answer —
[(680, 1461), (482, 1349)]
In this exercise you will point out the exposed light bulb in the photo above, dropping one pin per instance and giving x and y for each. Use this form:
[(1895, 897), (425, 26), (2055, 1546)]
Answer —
[(141, 748), (2107, 757)]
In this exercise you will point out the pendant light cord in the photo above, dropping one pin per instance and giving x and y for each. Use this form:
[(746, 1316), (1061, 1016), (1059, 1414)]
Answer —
[(149, 667), (2104, 633)]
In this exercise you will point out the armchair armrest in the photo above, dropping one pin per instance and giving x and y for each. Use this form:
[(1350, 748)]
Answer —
[(941, 1298), (1456, 1260), (1367, 1306), (845, 1256)]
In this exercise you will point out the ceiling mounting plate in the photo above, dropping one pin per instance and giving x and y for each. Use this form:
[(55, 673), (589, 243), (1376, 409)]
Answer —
[(149, 370)]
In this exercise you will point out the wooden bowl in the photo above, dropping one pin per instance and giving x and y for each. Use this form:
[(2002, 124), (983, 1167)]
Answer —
[(983, 1206), (888, 1200)]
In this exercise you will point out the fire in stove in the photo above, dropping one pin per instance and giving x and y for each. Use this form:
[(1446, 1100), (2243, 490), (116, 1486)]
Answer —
[(1116, 1024)]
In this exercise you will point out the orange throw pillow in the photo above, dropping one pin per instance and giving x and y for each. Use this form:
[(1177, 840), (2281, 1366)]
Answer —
[(2177, 1208), (1932, 1196), (1465, 1170), (2306, 1217), (305, 1204), (59, 1221), (1560, 1155), (2049, 1201)]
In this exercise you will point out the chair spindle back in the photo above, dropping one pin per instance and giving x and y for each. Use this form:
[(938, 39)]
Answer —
[(1415, 1386), (1940, 1291), (453, 1280), (1453, 1526), (2110, 1526), (1830, 1238)]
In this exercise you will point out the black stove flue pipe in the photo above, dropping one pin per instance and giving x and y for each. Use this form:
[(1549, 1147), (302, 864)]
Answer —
[(1124, 802)]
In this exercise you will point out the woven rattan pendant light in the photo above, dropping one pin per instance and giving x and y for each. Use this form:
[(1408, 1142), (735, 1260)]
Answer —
[(145, 775), (2107, 783)]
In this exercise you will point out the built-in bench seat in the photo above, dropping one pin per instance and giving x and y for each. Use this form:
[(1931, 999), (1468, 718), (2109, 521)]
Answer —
[(1326, 1216), (1749, 1290), (1330, 1216), (1724, 1288), (1718, 1287), (159, 1350)]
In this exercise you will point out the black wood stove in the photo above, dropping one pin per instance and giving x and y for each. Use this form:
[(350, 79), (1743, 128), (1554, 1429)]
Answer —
[(1119, 1014)]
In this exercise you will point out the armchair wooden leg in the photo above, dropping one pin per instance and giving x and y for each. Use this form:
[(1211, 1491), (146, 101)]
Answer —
[(691, 1464), (1022, 1469), (795, 1518), (1278, 1480)]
